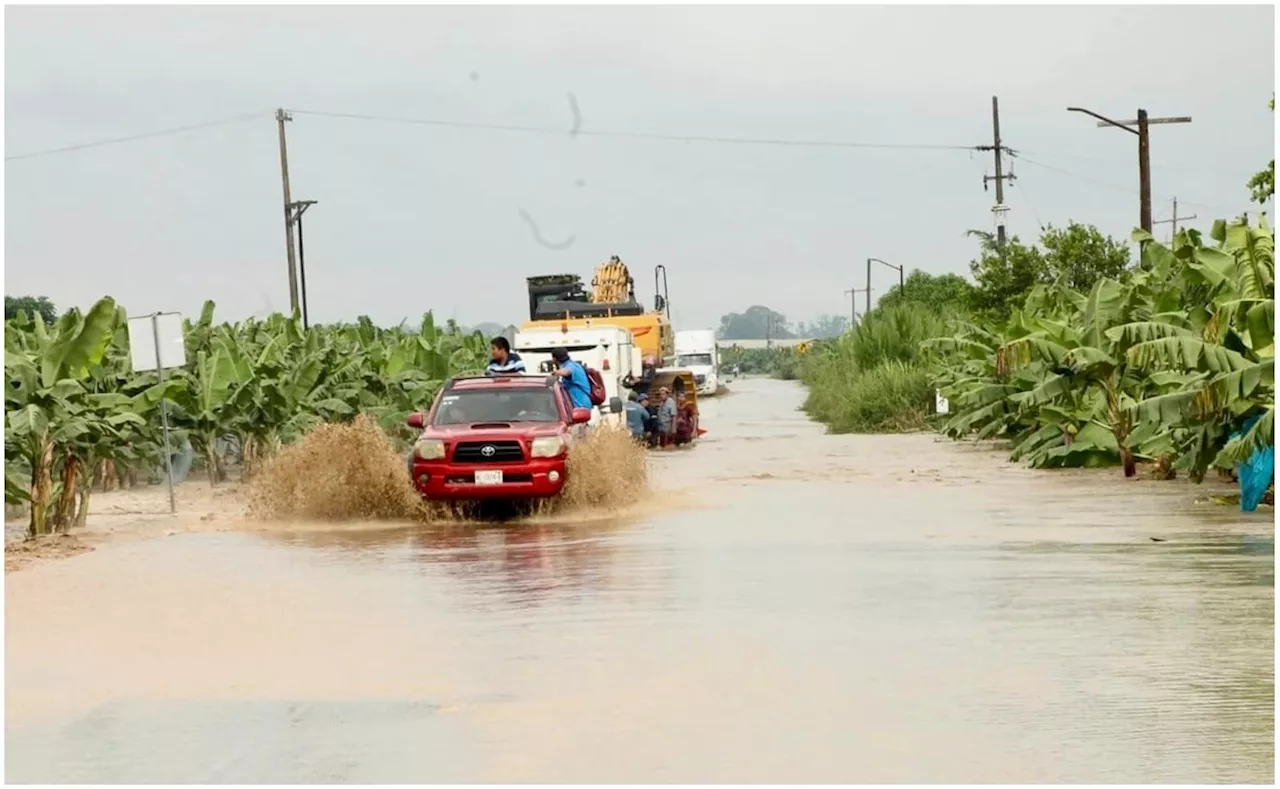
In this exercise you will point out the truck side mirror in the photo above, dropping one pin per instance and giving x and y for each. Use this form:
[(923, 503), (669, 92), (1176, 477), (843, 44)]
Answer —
[(615, 405), (581, 416), (416, 420)]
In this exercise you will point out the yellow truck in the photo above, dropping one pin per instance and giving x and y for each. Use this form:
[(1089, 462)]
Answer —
[(562, 301)]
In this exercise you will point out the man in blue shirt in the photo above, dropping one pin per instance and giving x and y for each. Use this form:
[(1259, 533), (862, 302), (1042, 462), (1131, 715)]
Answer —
[(502, 360), (638, 416), (574, 378)]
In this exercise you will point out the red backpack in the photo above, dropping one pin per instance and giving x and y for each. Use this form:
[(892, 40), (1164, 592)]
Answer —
[(597, 393)]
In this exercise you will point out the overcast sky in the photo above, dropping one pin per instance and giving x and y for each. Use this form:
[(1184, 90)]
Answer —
[(416, 217)]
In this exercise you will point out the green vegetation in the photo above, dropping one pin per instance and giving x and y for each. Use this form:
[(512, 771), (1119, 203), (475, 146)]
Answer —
[(762, 323), (1262, 186), (76, 415), (875, 378), (1075, 257), (939, 293), (1161, 362), (824, 327), (32, 305), (1162, 365), (757, 323), (777, 362)]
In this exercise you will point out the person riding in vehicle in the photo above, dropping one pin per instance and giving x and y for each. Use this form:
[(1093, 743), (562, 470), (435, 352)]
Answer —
[(574, 378), (503, 360)]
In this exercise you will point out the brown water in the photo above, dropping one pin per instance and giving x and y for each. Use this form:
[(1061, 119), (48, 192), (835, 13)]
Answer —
[(799, 608)]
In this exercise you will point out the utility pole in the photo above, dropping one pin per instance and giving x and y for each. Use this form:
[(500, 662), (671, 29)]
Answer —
[(867, 311), (1142, 128), (281, 117), (1173, 220), (298, 209), (853, 305), (1000, 209)]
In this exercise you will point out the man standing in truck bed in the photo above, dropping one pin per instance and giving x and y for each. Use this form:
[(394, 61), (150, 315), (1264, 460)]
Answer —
[(574, 378), (503, 360)]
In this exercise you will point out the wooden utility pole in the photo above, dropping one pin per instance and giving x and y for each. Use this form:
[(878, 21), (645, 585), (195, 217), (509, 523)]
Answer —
[(281, 117), (1000, 208), (1173, 220), (853, 305), (1140, 127)]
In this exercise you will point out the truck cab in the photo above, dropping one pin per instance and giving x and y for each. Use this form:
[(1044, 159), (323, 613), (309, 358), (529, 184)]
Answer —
[(495, 437), (697, 352), (609, 349)]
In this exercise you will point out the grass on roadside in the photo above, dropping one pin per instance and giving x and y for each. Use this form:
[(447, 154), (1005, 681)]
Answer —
[(876, 378)]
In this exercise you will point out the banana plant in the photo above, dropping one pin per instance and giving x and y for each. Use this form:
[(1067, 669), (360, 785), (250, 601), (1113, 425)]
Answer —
[(45, 398), (1173, 362), (73, 404), (1226, 356), (207, 400)]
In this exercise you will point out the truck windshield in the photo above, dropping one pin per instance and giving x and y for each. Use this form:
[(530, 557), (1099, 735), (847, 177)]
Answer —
[(461, 407), (693, 360)]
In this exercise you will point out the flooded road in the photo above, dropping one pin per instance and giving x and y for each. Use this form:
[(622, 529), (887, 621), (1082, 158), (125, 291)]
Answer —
[(801, 608)]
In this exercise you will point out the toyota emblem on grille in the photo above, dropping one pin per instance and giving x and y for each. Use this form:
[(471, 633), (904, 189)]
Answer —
[(488, 450)]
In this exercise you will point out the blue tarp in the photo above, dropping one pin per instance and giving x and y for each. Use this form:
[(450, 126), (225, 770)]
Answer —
[(1256, 475)]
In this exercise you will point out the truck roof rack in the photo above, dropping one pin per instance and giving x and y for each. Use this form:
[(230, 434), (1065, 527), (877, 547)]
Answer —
[(549, 381)]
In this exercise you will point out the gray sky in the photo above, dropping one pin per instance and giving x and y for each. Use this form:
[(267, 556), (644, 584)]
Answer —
[(414, 217)]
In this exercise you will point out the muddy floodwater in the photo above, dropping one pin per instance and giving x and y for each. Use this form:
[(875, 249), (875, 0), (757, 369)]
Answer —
[(795, 607)]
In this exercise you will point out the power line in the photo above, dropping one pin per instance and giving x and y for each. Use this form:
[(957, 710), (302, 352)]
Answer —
[(1173, 167), (1117, 187), (1027, 197), (133, 137), (631, 135)]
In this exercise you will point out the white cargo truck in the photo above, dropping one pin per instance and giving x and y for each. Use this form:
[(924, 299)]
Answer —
[(609, 349), (696, 352)]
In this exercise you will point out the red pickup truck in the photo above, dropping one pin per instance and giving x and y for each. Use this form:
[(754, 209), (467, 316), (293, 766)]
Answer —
[(495, 437)]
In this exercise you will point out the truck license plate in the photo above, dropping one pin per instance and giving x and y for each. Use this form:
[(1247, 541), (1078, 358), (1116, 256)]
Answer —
[(488, 477)]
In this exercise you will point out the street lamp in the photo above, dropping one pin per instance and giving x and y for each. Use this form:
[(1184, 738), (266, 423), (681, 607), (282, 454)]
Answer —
[(1144, 152), (299, 208), (901, 277)]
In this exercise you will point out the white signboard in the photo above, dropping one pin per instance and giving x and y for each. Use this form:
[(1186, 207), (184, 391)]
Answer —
[(142, 341), (940, 404)]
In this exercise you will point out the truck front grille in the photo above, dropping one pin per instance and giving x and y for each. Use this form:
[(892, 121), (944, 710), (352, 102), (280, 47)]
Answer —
[(488, 452)]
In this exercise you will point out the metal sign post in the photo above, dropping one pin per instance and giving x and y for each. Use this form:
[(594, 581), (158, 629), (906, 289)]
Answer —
[(164, 417), (147, 349)]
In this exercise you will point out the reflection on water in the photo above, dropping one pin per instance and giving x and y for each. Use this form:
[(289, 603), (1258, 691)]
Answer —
[(526, 563), (847, 609)]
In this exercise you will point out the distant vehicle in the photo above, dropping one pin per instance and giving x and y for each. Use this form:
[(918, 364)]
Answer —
[(696, 351), (495, 437), (607, 348)]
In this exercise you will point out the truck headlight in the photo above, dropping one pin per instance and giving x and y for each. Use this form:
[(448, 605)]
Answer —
[(429, 449), (546, 447)]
